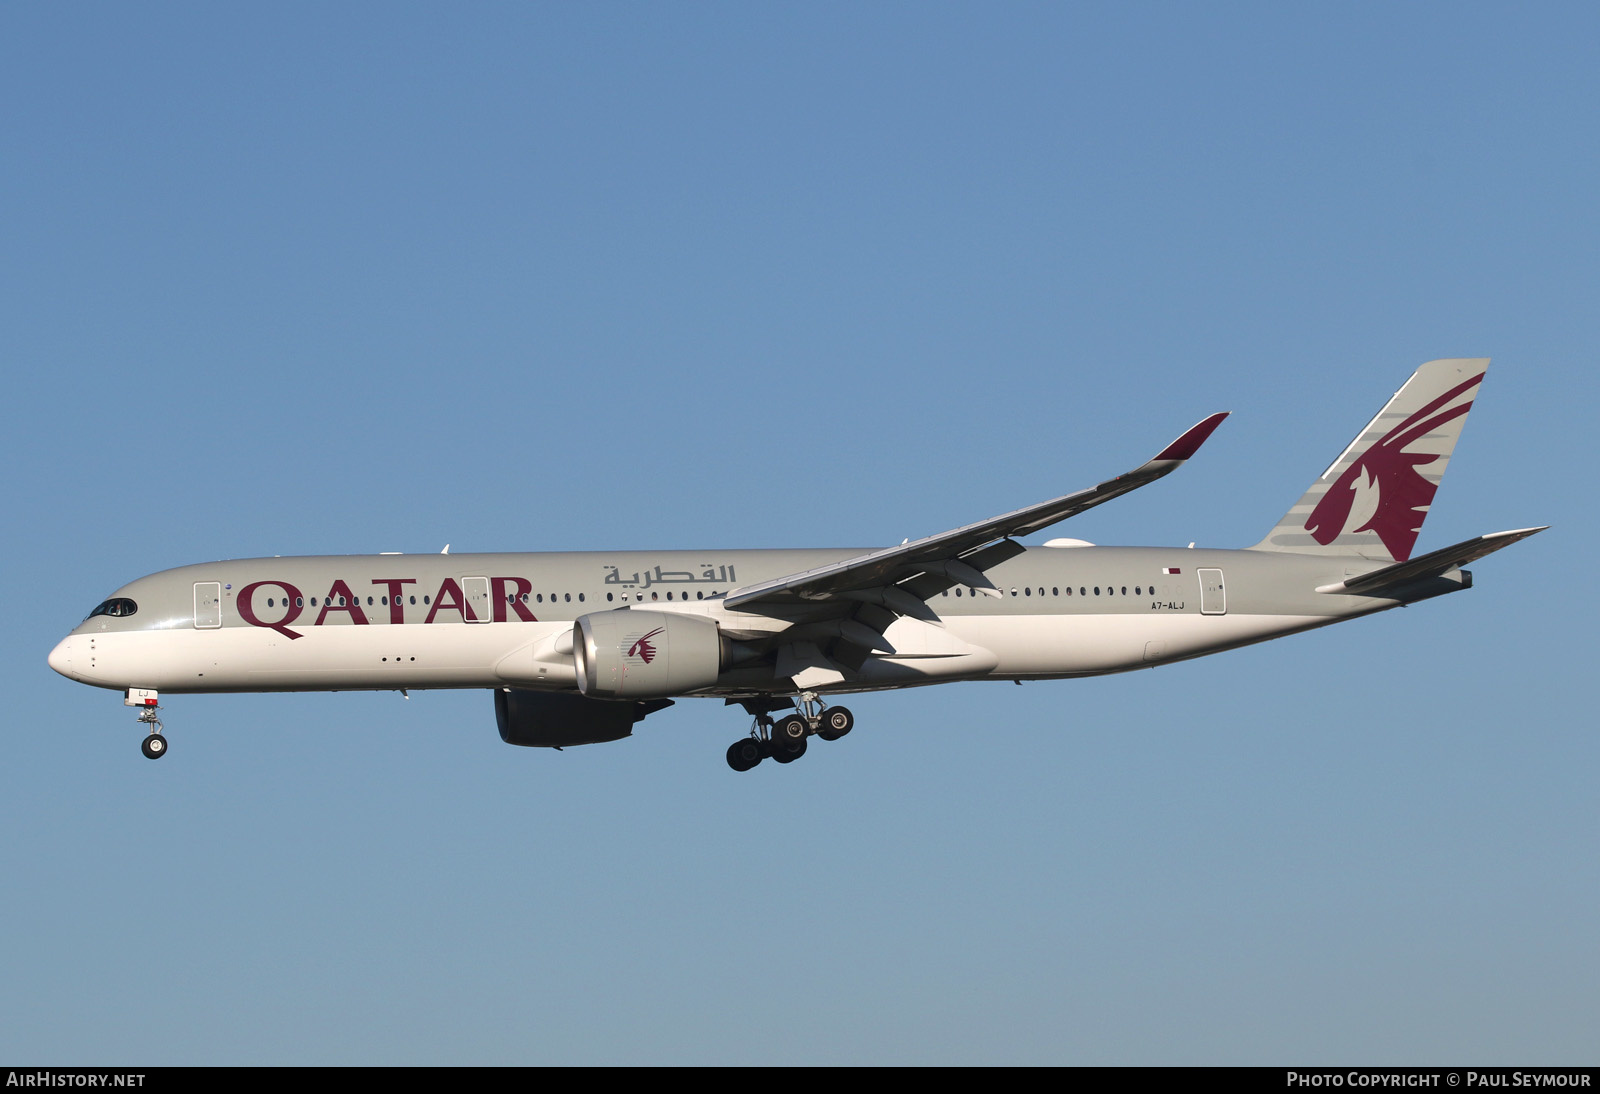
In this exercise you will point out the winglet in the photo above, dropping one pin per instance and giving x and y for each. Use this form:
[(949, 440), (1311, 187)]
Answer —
[(1188, 444)]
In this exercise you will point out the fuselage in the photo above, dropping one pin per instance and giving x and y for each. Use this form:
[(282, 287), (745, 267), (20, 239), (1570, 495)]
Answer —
[(391, 621)]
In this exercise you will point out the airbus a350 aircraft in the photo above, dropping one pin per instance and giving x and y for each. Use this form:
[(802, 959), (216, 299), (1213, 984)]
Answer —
[(578, 647)]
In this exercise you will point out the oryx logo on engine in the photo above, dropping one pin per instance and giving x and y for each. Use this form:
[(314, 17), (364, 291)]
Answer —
[(643, 648)]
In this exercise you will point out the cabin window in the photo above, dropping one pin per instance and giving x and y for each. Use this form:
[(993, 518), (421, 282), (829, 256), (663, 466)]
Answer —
[(609, 596)]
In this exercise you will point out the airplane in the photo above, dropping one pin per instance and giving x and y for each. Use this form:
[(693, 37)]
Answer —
[(579, 647)]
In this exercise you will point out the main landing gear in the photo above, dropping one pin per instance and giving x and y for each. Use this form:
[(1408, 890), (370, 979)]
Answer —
[(154, 745), (785, 739)]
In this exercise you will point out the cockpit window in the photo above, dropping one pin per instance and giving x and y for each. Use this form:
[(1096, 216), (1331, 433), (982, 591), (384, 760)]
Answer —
[(117, 605)]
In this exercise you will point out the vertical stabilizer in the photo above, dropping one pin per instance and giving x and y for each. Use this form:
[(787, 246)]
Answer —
[(1372, 500)]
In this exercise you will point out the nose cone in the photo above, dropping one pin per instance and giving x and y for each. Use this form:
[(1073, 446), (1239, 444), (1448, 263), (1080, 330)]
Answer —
[(63, 656)]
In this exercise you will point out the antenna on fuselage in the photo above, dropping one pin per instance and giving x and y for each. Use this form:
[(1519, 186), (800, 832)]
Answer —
[(446, 549)]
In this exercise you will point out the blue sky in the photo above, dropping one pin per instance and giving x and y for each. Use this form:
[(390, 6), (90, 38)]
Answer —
[(520, 277)]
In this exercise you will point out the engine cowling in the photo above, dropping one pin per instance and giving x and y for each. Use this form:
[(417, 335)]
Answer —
[(539, 719), (645, 655)]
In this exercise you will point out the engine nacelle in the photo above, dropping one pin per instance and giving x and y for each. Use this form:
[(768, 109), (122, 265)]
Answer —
[(541, 719), (645, 655)]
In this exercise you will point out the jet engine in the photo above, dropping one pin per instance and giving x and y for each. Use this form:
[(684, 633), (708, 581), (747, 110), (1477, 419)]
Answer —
[(544, 720), (645, 655)]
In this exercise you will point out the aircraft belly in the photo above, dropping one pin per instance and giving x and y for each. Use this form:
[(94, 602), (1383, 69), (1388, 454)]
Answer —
[(925, 654), (1057, 645), (894, 671)]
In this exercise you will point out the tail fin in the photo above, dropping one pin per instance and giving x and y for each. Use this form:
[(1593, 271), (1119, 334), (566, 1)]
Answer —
[(1372, 500)]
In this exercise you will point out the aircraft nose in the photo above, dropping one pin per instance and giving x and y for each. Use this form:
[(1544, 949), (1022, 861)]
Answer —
[(61, 657)]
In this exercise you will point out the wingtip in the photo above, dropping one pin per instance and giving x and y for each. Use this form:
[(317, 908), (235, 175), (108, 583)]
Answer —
[(1188, 444)]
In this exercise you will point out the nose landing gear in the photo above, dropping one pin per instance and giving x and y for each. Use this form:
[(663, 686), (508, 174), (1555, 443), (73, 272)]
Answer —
[(154, 746)]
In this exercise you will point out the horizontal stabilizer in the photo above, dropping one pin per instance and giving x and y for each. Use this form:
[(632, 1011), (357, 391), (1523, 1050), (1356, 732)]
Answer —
[(1431, 564)]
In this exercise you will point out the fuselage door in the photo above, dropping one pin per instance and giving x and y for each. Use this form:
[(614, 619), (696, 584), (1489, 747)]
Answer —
[(207, 604), (1213, 600), (477, 590)]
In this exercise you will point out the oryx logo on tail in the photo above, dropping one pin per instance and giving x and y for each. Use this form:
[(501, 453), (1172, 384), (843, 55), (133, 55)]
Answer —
[(1382, 491), (1371, 501)]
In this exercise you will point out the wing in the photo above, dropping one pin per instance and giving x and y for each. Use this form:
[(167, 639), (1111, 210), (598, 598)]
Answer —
[(959, 556)]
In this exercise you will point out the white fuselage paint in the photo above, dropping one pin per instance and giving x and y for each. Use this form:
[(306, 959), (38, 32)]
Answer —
[(464, 655), (227, 627)]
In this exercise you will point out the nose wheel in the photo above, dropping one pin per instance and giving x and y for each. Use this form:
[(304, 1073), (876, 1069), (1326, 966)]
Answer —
[(154, 745)]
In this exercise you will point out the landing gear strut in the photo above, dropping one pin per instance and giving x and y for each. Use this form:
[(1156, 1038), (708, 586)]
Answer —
[(785, 740), (154, 745)]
